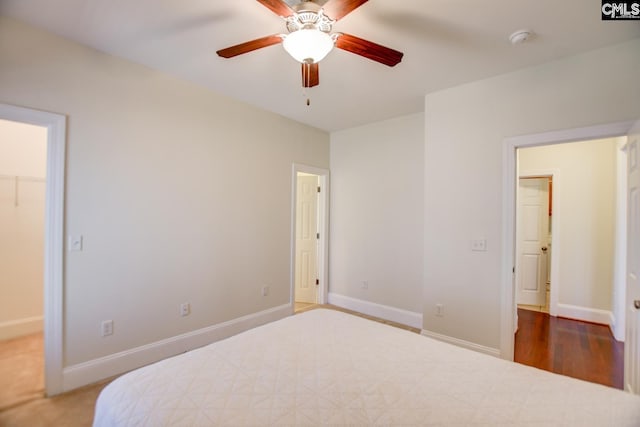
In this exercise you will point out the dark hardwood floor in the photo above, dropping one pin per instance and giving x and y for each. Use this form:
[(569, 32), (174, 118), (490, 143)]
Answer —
[(569, 347)]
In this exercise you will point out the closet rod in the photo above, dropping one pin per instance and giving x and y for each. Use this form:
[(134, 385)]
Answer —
[(16, 180), (23, 178)]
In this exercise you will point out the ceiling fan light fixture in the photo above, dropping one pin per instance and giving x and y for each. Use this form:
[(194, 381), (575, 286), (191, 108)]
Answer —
[(308, 45), (310, 37)]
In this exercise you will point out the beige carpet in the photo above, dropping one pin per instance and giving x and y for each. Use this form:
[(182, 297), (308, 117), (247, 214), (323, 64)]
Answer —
[(22, 400)]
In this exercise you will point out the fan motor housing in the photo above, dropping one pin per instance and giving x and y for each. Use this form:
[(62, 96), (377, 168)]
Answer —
[(309, 15), (307, 6)]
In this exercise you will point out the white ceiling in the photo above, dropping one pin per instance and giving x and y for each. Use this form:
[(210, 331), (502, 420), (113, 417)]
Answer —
[(445, 42)]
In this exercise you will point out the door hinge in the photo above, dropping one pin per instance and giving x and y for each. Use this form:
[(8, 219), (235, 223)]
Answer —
[(319, 189), (318, 236), (317, 281)]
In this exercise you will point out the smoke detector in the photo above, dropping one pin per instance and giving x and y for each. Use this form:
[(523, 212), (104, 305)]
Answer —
[(520, 36)]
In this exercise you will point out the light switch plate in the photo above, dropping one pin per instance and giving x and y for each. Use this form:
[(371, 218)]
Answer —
[(75, 243)]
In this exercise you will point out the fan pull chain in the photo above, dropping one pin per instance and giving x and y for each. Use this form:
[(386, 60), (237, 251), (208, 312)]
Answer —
[(306, 80), (306, 96)]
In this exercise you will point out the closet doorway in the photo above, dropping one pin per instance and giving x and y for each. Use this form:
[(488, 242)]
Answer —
[(20, 191), (23, 166)]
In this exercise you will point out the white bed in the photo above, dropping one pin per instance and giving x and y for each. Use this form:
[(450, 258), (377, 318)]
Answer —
[(328, 367)]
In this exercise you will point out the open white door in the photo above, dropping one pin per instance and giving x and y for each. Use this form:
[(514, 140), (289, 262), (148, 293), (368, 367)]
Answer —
[(632, 342), (532, 230), (306, 259)]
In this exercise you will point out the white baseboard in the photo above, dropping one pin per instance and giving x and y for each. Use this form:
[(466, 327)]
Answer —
[(378, 310), (617, 332), (462, 343), (593, 315), (20, 327), (114, 364)]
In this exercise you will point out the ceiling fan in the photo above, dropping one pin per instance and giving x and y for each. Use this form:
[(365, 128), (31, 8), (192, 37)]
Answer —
[(310, 39)]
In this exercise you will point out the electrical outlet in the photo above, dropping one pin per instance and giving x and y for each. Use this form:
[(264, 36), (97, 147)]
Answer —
[(479, 245), (265, 291), (106, 327), (185, 309), (439, 310), (365, 284)]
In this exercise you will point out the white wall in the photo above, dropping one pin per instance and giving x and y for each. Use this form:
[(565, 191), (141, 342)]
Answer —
[(465, 129), (181, 195), (23, 151), (586, 209), (377, 214)]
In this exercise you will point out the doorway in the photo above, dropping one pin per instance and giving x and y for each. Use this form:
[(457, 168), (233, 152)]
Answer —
[(533, 241), (23, 153), (307, 236), (510, 174), (55, 126), (584, 268), (573, 226), (309, 270)]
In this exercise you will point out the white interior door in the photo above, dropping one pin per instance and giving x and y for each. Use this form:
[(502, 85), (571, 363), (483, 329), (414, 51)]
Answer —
[(532, 231), (306, 264), (632, 341)]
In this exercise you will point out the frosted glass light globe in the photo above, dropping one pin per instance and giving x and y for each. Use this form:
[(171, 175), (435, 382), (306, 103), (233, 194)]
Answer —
[(308, 45)]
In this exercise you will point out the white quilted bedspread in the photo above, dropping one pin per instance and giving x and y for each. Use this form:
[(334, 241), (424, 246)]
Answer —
[(325, 367)]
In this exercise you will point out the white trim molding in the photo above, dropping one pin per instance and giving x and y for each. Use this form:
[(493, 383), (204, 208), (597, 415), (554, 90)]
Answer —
[(386, 312), (462, 343), (593, 315), (115, 364), (56, 125), (614, 325)]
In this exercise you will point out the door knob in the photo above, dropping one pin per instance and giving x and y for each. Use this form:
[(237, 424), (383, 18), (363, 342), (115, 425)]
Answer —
[(544, 249), (636, 304)]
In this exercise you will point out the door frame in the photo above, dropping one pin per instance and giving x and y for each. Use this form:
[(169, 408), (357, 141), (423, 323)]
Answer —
[(53, 237), (554, 174), (509, 190), (323, 230), (631, 382)]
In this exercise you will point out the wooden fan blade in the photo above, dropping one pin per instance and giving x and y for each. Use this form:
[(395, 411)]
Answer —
[(373, 51), (278, 7), (246, 47), (338, 9), (310, 75)]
